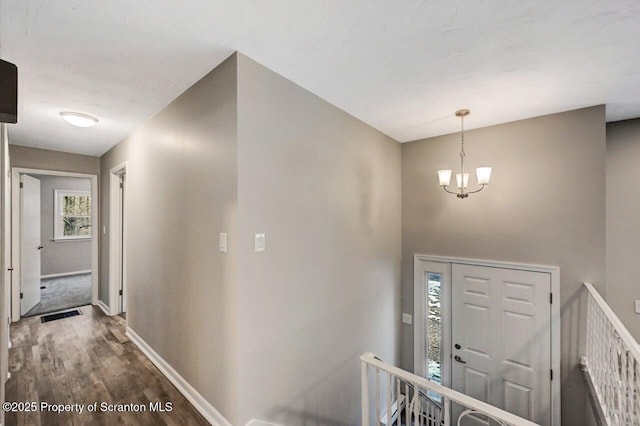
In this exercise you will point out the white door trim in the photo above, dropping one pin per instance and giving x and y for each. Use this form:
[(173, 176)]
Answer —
[(15, 231), (5, 261), (114, 239), (554, 271)]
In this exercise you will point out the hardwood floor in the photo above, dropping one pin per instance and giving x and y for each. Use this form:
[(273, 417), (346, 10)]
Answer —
[(83, 360)]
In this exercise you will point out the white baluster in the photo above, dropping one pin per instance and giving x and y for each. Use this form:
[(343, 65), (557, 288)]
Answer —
[(377, 396), (407, 408), (416, 403), (389, 387), (365, 393), (399, 415), (447, 412)]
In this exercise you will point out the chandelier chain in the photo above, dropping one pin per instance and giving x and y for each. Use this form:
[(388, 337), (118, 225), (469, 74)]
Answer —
[(462, 154), (462, 135)]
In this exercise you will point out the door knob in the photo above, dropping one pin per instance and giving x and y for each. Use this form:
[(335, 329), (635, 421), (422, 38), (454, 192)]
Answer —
[(457, 358), (40, 247), (457, 346)]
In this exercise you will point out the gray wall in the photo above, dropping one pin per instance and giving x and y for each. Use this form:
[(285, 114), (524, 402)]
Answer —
[(43, 159), (275, 335), (545, 205), (61, 256), (623, 221), (325, 189), (181, 183)]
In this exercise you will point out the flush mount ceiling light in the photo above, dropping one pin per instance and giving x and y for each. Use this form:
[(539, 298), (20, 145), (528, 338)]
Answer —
[(462, 179), (78, 119)]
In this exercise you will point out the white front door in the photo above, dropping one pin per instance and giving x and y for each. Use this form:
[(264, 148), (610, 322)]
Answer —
[(29, 243), (501, 340)]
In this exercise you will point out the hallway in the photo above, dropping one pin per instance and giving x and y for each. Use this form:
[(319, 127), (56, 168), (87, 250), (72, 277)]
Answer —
[(83, 360)]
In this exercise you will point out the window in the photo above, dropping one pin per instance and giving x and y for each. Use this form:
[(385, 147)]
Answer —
[(434, 349), (432, 325), (72, 215)]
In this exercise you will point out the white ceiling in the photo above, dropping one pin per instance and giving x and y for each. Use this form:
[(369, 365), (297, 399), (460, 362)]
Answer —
[(403, 67)]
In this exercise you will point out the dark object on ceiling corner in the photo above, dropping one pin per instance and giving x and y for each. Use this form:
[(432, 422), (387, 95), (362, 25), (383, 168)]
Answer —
[(8, 92)]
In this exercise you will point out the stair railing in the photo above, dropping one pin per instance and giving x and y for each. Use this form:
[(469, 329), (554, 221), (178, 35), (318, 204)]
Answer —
[(611, 365), (409, 399)]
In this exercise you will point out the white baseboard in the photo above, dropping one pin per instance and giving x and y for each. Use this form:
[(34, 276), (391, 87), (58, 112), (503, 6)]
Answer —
[(255, 422), (104, 307), (65, 274), (207, 410)]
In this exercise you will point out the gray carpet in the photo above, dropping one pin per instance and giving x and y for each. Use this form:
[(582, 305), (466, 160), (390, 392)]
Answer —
[(63, 293)]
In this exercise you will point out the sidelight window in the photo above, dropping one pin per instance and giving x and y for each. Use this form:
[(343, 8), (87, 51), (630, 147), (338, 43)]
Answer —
[(434, 349)]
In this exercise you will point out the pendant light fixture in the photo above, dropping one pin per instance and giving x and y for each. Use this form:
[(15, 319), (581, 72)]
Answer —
[(462, 179)]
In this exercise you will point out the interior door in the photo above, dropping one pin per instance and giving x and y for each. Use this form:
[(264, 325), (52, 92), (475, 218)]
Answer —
[(29, 243), (501, 338)]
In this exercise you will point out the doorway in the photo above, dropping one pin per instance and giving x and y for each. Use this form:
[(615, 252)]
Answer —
[(118, 240), (490, 331), (54, 242)]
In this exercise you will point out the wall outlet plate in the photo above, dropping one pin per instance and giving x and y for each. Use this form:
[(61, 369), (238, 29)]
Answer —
[(407, 319)]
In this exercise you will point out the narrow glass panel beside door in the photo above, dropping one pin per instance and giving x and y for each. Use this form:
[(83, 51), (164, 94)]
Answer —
[(433, 316)]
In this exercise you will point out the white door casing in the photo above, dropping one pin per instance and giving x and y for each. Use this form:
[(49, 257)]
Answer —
[(123, 245), (5, 261), (30, 244), (517, 297), (501, 339), (118, 239)]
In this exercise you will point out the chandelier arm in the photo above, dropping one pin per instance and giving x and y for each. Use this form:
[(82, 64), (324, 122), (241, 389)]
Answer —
[(450, 192), (477, 190)]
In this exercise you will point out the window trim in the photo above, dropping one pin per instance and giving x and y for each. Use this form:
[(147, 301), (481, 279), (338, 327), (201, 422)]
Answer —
[(58, 224)]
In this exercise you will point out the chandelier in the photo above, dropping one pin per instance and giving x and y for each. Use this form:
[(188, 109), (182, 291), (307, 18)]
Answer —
[(483, 174)]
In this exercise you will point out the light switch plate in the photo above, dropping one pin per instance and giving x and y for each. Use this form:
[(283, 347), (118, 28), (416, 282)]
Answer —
[(222, 242), (637, 306), (407, 319), (260, 243)]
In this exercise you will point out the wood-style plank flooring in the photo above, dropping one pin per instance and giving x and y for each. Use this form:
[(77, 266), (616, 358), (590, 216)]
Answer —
[(83, 360)]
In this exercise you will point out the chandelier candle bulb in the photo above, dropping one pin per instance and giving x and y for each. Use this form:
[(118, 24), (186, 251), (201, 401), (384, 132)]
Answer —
[(484, 175), (445, 177), (459, 180)]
